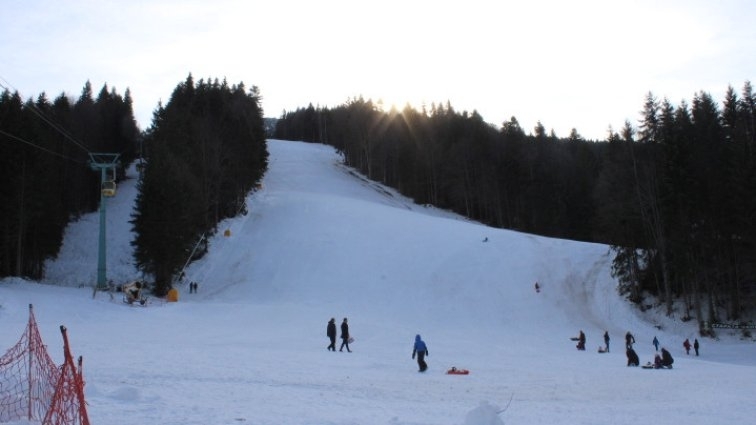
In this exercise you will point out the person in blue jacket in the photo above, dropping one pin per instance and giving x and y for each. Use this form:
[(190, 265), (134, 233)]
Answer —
[(421, 350)]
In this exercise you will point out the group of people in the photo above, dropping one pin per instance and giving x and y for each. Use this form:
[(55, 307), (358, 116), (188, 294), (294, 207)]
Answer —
[(419, 350), (686, 345), (331, 333), (662, 358)]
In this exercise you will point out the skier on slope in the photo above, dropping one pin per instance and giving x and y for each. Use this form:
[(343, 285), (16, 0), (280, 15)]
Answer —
[(421, 350)]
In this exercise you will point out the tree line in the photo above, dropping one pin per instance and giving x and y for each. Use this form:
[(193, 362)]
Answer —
[(671, 196), (45, 176), (205, 151)]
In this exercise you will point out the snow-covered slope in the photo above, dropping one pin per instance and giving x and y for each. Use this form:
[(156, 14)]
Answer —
[(320, 241)]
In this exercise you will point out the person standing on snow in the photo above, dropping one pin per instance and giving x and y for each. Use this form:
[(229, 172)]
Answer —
[(629, 340), (331, 333), (581, 341), (695, 345), (421, 350), (606, 340), (345, 336), (656, 343)]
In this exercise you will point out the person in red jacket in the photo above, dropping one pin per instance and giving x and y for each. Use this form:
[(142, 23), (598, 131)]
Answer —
[(686, 344)]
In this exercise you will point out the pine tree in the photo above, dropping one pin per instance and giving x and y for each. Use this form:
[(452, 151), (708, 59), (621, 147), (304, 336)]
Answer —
[(205, 151)]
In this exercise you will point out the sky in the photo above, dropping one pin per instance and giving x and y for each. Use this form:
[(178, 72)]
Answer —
[(320, 241), (584, 64)]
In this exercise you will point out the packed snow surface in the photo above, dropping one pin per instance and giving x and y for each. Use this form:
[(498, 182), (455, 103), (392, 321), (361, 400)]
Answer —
[(321, 241)]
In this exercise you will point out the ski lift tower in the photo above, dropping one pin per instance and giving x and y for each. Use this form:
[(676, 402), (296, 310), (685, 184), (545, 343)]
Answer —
[(106, 163)]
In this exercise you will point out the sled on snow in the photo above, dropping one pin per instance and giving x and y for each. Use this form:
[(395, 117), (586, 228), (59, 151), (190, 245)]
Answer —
[(650, 365), (456, 371)]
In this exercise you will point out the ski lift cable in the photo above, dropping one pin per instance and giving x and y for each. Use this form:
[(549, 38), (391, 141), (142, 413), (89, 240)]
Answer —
[(33, 107), (189, 259), (18, 139)]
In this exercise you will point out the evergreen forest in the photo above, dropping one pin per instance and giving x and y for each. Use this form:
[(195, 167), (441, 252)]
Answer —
[(205, 151), (673, 194), (46, 178)]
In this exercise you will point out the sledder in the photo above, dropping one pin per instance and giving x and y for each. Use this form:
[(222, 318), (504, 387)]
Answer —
[(132, 292)]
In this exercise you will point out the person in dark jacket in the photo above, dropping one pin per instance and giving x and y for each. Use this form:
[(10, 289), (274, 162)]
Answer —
[(632, 357), (695, 345), (657, 361), (421, 350), (345, 336), (581, 341), (606, 340), (666, 358), (629, 340), (331, 333)]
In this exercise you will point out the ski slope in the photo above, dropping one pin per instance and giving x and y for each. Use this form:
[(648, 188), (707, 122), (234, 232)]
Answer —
[(321, 241)]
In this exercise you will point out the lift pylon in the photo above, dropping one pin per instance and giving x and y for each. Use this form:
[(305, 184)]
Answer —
[(106, 163)]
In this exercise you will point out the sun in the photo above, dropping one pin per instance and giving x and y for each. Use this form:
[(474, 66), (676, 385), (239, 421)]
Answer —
[(394, 104)]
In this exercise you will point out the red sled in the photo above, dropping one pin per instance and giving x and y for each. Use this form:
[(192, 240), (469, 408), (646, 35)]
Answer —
[(455, 371)]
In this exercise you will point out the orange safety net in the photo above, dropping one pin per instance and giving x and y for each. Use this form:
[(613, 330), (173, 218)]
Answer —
[(33, 388), (27, 377)]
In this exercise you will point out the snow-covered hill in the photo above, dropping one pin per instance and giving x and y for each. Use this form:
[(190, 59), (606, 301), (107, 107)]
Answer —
[(321, 241)]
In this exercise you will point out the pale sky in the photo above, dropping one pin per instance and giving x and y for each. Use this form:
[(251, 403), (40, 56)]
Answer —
[(582, 63)]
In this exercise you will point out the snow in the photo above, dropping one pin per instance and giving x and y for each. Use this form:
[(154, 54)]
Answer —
[(321, 241)]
